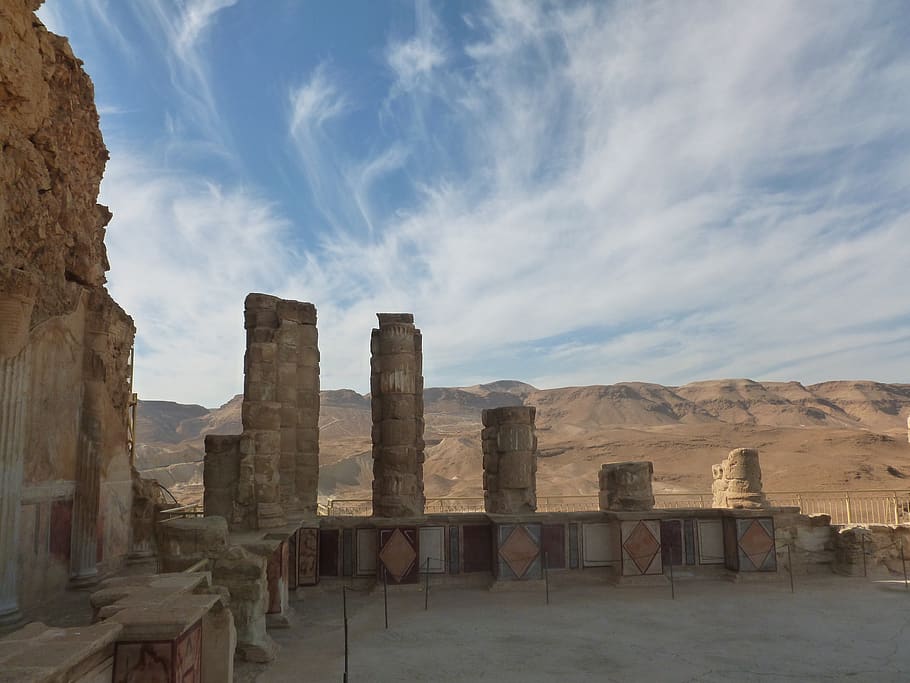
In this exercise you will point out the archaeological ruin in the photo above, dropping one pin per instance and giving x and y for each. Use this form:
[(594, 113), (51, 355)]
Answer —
[(175, 595)]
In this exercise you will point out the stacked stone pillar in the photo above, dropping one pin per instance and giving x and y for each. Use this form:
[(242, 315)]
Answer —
[(626, 486), (87, 496), (298, 392), (259, 492), (17, 299), (509, 460), (396, 385), (737, 481)]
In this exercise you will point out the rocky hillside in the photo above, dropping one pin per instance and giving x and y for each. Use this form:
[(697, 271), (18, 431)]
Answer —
[(834, 434)]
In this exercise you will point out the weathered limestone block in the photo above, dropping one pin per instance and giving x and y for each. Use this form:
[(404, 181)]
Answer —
[(881, 545), (82, 654), (183, 542), (509, 460), (626, 486), (396, 383), (243, 573), (737, 481), (811, 540)]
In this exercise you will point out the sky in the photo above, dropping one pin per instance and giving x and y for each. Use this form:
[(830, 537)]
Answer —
[(564, 193)]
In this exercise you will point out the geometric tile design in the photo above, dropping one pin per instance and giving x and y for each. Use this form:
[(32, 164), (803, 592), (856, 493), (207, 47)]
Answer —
[(519, 550), (143, 661), (756, 545), (398, 555), (641, 546)]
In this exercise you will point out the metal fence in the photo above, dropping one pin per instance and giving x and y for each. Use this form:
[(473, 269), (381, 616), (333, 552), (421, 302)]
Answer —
[(845, 507)]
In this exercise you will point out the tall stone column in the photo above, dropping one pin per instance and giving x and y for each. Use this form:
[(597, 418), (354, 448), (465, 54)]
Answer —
[(87, 496), (626, 486), (396, 385), (509, 460), (17, 299), (288, 341), (260, 443), (306, 458)]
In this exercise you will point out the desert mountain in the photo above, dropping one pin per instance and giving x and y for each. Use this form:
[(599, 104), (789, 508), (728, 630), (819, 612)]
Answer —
[(844, 434)]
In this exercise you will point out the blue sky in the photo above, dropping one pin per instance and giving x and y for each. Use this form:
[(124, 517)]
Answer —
[(563, 193)]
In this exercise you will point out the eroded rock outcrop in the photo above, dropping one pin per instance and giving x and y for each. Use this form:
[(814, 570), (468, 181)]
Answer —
[(65, 344)]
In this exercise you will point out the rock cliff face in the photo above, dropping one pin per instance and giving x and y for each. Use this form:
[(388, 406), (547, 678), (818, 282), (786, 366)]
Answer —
[(64, 342)]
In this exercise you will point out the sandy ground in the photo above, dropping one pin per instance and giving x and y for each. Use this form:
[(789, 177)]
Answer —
[(830, 629)]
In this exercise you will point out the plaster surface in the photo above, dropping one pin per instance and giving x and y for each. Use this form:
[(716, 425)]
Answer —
[(831, 629)]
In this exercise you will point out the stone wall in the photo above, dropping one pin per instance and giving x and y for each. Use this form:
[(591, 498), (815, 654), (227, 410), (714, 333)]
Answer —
[(396, 386), (255, 479), (509, 460), (66, 487)]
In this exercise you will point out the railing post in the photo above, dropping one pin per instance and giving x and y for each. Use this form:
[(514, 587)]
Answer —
[(897, 517), (847, 503), (799, 502)]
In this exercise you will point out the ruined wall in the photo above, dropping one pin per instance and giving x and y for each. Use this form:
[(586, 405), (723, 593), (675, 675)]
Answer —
[(69, 341), (255, 479)]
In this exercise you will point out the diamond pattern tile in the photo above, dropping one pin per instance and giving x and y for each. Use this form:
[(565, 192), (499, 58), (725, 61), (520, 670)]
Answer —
[(641, 546), (519, 550), (756, 543), (398, 555)]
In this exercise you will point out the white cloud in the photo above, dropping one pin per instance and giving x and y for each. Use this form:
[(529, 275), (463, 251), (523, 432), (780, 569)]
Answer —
[(184, 254), (692, 192)]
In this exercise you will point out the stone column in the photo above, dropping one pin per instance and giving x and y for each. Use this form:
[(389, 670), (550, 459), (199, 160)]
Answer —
[(87, 496), (17, 299), (737, 481), (396, 385), (260, 443), (306, 473), (287, 338), (509, 460), (626, 486)]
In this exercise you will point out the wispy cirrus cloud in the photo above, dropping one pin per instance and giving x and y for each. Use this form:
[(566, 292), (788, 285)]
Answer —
[(655, 192)]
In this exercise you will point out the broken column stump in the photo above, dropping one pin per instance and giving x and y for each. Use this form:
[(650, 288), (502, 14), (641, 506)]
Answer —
[(737, 481), (626, 486), (509, 460)]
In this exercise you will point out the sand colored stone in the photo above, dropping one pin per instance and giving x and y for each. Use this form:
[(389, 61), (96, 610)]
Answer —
[(65, 345), (255, 479), (626, 486), (509, 460), (396, 386), (737, 481)]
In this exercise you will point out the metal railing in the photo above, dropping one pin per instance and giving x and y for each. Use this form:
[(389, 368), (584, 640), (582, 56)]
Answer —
[(871, 506)]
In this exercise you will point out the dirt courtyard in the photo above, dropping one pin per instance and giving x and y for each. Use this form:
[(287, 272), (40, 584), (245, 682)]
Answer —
[(830, 629)]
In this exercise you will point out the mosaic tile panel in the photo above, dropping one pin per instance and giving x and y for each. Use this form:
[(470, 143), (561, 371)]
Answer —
[(189, 656), (641, 547), (398, 554), (573, 546), (366, 552), (598, 545), (454, 554), (151, 662), (710, 541), (671, 542), (432, 549), (689, 541), (307, 557), (347, 552), (478, 548), (519, 551), (756, 547)]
